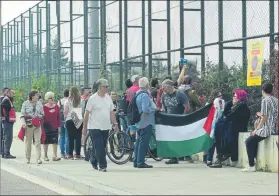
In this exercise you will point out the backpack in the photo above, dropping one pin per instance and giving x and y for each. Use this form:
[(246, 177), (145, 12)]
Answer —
[(133, 111), (61, 111), (12, 113), (123, 103)]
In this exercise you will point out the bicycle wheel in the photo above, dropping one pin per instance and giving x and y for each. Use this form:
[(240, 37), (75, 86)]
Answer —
[(87, 147), (119, 147), (152, 149)]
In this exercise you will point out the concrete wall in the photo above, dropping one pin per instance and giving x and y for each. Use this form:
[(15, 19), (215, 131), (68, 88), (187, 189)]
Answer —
[(267, 152), (267, 158)]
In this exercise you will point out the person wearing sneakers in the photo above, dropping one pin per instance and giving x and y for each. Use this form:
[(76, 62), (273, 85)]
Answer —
[(31, 112), (73, 118), (146, 108), (51, 125), (64, 139), (266, 126), (98, 119)]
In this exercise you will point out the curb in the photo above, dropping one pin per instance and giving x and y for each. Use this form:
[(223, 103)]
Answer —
[(64, 180)]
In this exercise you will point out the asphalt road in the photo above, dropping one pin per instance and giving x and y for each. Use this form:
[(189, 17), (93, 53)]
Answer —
[(14, 185)]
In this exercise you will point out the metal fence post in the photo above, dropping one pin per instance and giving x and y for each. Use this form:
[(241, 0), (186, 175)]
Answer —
[(85, 45), (181, 10), (143, 36), (150, 38), (244, 34), (71, 44), (120, 45), (220, 30), (202, 39), (126, 38), (48, 45), (58, 51), (169, 37)]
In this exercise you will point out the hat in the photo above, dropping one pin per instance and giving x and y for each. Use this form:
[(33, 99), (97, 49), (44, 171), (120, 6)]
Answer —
[(134, 77)]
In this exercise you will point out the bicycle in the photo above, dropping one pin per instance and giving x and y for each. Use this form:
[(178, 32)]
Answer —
[(125, 144), (119, 144)]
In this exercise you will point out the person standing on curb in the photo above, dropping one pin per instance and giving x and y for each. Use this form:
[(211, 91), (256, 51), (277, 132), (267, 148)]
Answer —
[(9, 118), (64, 139), (4, 93), (97, 120), (146, 108), (32, 114)]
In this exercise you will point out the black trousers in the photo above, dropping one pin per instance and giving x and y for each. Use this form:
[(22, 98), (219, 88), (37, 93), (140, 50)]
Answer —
[(98, 152), (74, 135), (252, 143), (233, 147)]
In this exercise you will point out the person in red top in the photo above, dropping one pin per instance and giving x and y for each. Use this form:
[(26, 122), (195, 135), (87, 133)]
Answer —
[(52, 123), (133, 89)]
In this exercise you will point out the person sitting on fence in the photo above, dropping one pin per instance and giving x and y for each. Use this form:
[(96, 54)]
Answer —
[(266, 126)]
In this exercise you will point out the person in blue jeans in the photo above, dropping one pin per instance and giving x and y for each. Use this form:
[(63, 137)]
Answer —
[(64, 139), (147, 110), (97, 120)]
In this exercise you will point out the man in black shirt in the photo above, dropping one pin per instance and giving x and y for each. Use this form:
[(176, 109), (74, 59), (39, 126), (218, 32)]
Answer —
[(6, 107), (4, 93), (174, 102)]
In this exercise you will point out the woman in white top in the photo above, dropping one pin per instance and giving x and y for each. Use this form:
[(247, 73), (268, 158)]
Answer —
[(73, 118)]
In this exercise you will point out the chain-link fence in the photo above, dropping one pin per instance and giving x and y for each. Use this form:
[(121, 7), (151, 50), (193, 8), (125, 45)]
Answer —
[(72, 42)]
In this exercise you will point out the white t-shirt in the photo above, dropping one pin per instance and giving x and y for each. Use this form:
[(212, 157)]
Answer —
[(99, 109)]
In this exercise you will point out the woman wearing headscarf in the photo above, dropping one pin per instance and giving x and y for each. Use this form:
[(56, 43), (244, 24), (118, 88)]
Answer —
[(238, 118)]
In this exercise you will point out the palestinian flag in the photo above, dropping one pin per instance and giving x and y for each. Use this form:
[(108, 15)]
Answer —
[(184, 135)]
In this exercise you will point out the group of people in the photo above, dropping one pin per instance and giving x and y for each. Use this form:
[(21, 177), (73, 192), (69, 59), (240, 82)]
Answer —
[(93, 111)]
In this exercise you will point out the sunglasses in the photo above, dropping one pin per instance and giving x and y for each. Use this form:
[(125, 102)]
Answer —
[(105, 86), (51, 98)]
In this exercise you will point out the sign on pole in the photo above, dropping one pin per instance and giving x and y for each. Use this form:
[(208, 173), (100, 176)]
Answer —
[(255, 62)]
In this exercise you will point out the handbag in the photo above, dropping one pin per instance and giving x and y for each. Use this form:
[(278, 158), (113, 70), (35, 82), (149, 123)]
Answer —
[(76, 117)]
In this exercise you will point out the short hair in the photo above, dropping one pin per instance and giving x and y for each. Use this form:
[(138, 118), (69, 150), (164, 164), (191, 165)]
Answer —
[(154, 82), (128, 83), (32, 94), (101, 83), (267, 88), (49, 95), (66, 93), (143, 82), (168, 82), (4, 89)]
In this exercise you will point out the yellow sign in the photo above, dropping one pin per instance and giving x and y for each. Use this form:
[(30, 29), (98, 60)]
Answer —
[(255, 61)]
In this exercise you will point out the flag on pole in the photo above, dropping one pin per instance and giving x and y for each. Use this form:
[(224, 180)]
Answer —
[(184, 135)]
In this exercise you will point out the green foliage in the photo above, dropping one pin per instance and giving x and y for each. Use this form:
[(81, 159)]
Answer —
[(39, 84)]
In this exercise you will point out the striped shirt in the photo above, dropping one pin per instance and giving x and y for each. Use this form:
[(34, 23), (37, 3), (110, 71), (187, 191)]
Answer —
[(269, 108), (29, 109)]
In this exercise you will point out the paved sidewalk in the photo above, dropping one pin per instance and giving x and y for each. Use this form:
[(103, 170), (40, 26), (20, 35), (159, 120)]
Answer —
[(183, 179)]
